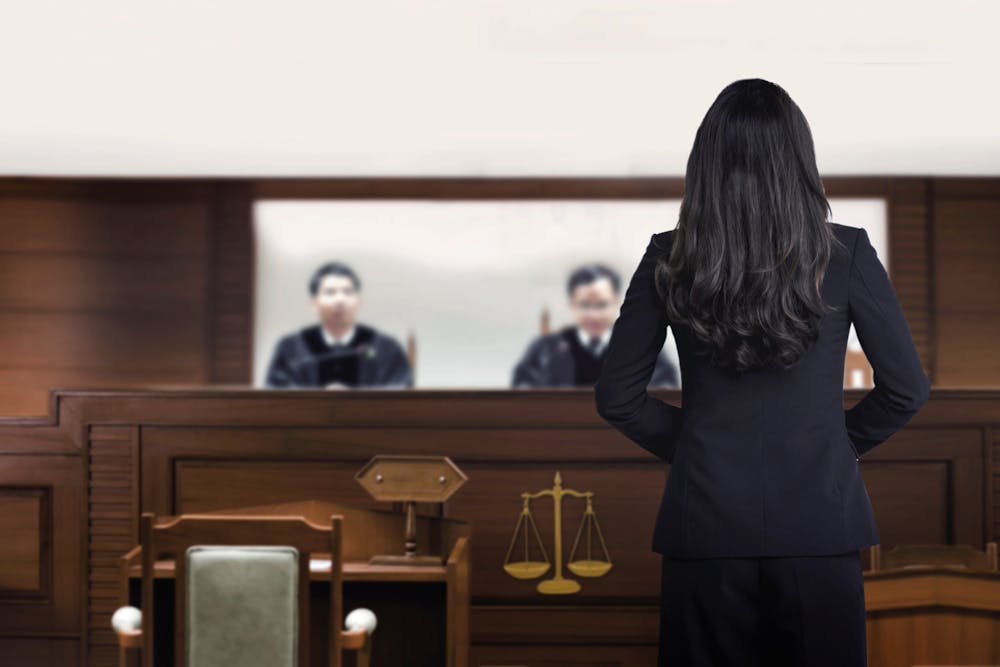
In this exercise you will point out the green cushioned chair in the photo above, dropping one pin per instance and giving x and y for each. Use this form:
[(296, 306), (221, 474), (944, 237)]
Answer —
[(242, 606), (241, 593)]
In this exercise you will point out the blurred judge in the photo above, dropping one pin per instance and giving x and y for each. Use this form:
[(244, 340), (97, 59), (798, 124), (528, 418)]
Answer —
[(573, 356), (338, 352)]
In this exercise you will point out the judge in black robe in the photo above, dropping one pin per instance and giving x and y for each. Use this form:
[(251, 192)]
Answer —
[(369, 359), (573, 355), (357, 356), (561, 359)]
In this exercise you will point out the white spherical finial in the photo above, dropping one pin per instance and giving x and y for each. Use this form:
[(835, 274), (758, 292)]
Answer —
[(361, 618), (127, 619)]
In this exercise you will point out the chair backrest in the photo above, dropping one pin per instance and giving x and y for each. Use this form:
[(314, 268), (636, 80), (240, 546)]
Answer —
[(242, 606), (411, 354), (267, 569), (544, 323)]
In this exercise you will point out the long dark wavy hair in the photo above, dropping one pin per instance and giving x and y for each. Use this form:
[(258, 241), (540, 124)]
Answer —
[(752, 242)]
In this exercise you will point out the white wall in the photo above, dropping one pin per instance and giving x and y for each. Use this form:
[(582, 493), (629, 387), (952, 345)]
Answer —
[(488, 87)]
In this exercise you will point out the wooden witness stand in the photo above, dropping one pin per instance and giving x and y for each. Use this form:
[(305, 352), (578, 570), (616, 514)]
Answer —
[(366, 533)]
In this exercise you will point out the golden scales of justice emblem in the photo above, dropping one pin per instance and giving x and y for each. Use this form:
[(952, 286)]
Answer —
[(584, 567)]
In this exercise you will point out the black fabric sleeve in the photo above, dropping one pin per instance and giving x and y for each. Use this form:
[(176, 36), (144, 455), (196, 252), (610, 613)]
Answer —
[(394, 370), (664, 372), (901, 385), (529, 371), (279, 372), (620, 393)]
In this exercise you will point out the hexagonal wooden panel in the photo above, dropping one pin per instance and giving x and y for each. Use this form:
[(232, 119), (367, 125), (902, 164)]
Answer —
[(405, 477)]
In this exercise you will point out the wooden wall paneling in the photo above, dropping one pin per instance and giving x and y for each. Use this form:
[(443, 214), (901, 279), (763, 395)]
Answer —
[(95, 282), (26, 552), (926, 486), (37, 435), (962, 187), (90, 218), (94, 342), (113, 488), (909, 211), (547, 655), (469, 187), (203, 486), (230, 285), (40, 652), (563, 622), (191, 453), (42, 547), (102, 286), (43, 530), (966, 224)]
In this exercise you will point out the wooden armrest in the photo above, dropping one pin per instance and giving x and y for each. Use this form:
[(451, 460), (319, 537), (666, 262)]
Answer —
[(129, 638), (127, 624), (355, 640), (132, 555), (129, 648)]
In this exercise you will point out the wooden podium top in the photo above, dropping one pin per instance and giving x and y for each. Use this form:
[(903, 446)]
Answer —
[(932, 585), (366, 533)]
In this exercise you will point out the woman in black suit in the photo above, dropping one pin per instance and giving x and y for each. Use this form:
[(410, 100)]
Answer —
[(764, 510)]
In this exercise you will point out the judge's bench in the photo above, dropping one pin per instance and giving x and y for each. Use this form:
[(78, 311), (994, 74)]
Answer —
[(553, 523)]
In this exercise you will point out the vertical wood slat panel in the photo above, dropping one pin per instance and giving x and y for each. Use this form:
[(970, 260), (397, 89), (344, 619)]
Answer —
[(112, 471), (967, 244), (230, 290), (910, 260)]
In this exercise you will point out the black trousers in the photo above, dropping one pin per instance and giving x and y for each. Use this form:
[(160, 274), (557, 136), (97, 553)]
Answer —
[(803, 611)]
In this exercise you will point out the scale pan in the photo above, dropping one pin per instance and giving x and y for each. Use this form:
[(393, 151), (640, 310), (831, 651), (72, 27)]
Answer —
[(589, 568), (527, 569)]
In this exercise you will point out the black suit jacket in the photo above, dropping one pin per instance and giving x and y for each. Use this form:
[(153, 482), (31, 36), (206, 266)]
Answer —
[(767, 463)]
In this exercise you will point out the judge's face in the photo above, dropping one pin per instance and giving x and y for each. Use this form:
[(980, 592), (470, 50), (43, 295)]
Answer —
[(336, 302), (594, 306)]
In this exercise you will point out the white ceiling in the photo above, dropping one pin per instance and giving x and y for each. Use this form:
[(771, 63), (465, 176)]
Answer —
[(483, 87)]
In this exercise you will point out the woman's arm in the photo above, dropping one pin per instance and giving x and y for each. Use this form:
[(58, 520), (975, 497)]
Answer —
[(901, 385), (636, 340)]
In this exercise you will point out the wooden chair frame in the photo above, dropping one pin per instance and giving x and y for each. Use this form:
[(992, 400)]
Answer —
[(175, 537)]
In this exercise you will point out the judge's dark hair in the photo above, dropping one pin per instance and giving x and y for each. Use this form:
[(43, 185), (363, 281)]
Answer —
[(332, 269), (752, 240), (588, 273)]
